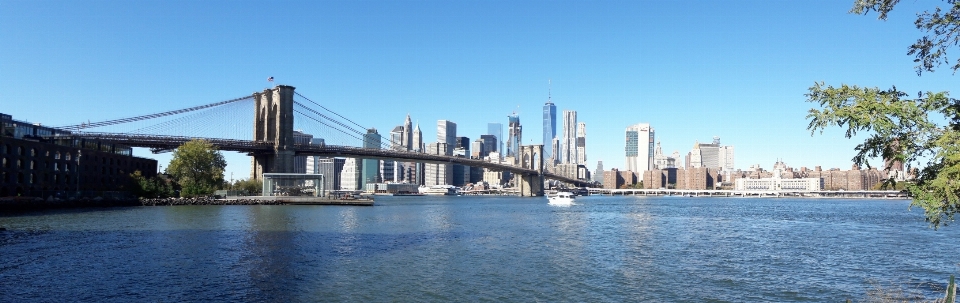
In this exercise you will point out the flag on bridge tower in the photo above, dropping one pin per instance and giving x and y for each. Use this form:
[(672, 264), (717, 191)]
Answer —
[(270, 79)]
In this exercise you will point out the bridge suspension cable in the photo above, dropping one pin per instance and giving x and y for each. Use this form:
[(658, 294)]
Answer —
[(325, 124), (384, 144), (81, 126)]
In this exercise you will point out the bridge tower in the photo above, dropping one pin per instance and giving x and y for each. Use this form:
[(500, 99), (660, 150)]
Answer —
[(273, 124), (531, 157)]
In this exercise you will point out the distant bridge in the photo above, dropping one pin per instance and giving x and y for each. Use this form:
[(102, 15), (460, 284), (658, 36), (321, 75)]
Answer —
[(273, 145)]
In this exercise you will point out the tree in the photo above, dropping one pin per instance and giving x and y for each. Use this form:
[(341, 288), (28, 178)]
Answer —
[(198, 167), (250, 186), (901, 128), (155, 187)]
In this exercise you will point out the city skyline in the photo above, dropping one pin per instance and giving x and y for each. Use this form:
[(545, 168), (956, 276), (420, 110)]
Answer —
[(741, 78)]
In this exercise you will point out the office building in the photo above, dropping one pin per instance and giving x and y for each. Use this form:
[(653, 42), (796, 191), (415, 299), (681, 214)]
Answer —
[(712, 156), (490, 144), (447, 134), (549, 127), (397, 138), (464, 143), (477, 149), (407, 135), (639, 147), (417, 140), (350, 174), (438, 174), (568, 141), (371, 167), (726, 159), (330, 168), (514, 136), (598, 173), (496, 130)]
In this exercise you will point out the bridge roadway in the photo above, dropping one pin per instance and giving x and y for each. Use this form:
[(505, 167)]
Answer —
[(159, 142)]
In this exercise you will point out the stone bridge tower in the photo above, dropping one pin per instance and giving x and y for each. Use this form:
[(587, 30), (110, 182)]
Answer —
[(273, 124), (531, 157)]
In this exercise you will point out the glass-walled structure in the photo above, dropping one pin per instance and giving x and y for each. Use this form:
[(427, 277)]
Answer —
[(286, 184)]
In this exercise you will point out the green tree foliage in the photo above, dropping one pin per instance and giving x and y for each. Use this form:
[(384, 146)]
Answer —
[(250, 186), (198, 167), (900, 127), (155, 187)]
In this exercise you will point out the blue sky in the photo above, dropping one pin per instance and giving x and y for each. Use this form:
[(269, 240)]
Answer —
[(693, 69)]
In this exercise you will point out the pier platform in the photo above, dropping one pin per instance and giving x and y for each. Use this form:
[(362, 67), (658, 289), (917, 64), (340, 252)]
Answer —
[(288, 200)]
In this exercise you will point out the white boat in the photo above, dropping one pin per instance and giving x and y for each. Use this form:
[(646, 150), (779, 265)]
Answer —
[(562, 198), (439, 190)]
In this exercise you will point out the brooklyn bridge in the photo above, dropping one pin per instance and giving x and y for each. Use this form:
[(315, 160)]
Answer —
[(275, 114)]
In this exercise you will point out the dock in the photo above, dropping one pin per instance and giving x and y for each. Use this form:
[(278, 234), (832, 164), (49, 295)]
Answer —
[(306, 200)]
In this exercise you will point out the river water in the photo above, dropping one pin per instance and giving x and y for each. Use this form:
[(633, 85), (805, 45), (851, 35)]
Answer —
[(469, 249)]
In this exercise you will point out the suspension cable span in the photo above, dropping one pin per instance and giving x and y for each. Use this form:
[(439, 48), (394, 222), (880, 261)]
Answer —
[(335, 113), (328, 118), (384, 145), (328, 125), (151, 116)]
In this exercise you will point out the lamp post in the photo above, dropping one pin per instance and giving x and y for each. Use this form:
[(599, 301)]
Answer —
[(78, 173)]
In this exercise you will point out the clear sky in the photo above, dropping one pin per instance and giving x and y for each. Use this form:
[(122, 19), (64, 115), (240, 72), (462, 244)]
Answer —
[(692, 69)]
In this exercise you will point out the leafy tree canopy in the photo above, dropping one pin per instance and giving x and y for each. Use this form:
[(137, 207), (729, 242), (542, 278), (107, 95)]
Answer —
[(155, 187), (250, 186), (198, 166), (901, 127)]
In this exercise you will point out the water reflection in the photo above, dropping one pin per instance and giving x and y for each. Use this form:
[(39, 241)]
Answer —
[(476, 249)]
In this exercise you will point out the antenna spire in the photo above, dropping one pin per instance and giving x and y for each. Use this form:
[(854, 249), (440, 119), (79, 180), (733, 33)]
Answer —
[(549, 88)]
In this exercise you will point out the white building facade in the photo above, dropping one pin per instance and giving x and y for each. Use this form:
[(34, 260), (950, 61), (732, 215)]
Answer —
[(640, 147)]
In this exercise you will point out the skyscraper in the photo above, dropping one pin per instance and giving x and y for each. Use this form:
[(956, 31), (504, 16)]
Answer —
[(477, 149), (330, 168), (397, 138), (581, 143), (639, 147), (438, 174), (407, 136), (515, 136), (549, 127), (490, 144), (417, 140), (350, 174), (598, 173), (416, 171), (568, 144), (712, 155), (496, 130), (371, 167), (726, 158), (447, 134)]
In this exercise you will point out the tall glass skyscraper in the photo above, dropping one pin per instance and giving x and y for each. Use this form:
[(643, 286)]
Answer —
[(371, 167), (496, 130), (549, 128)]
